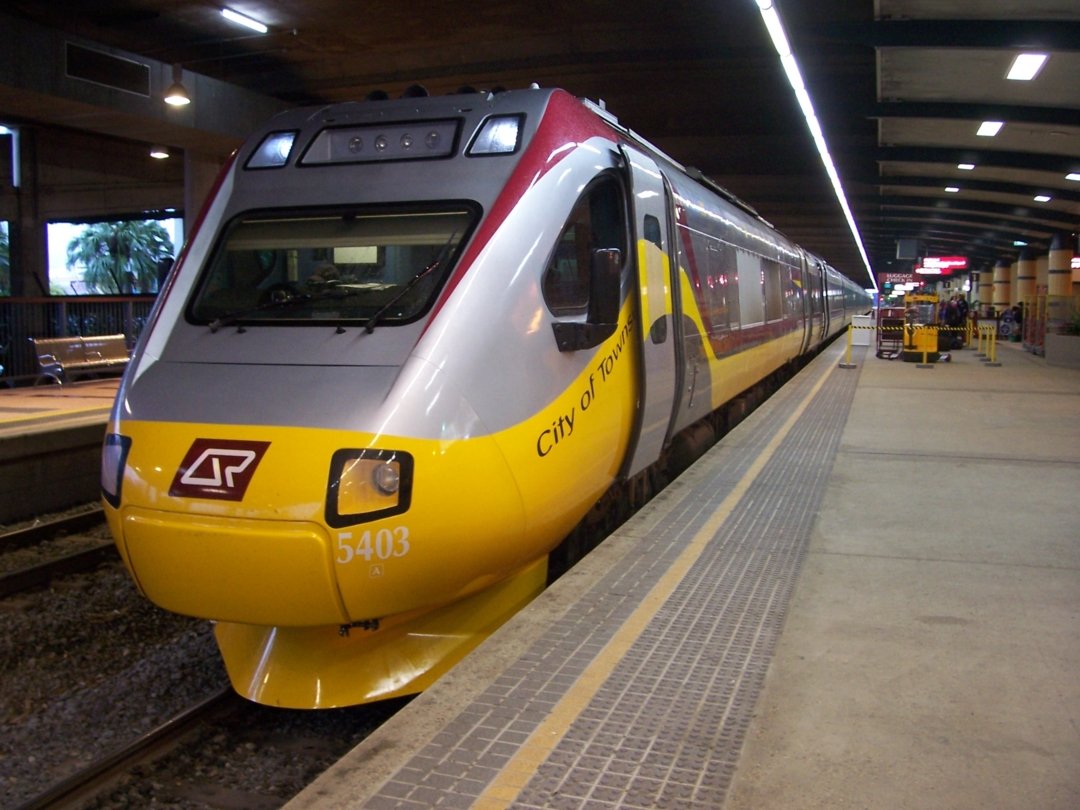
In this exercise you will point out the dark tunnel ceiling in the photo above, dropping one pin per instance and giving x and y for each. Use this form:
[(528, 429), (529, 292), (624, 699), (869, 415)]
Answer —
[(899, 86)]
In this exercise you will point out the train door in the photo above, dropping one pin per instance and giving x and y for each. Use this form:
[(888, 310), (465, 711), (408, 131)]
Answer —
[(656, 284), (815, 289)]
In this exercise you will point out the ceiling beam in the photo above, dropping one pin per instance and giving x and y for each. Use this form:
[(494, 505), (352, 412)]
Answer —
[(1021, 113)]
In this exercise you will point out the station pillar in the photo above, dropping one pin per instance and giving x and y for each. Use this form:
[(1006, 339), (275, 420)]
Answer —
[(1025, 277), (1059, 266), (984, 291), (1002, 276)]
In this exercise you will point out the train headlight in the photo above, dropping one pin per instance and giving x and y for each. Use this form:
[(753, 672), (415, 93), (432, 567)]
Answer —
[(499, 135), (114, 453), (273, 152), (387, 478), (367, 485)]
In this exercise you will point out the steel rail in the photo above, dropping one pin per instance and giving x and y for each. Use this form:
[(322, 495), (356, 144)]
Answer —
[(82, 785)]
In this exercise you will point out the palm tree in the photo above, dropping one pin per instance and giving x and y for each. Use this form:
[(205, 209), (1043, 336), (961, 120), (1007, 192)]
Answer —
[(121, 258)]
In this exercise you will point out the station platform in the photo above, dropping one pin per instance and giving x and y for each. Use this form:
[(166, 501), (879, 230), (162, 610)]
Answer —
[(31, 407), (867, 595), (50, 446)]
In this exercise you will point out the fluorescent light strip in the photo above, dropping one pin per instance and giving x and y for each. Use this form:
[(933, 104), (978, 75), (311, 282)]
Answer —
[(240, 19), (1026, 66), (966, 167), (771, 18), (988, 129), (1074, 176)]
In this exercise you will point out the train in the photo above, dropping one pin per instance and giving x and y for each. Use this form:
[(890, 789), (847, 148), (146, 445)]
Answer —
[(409, 345)]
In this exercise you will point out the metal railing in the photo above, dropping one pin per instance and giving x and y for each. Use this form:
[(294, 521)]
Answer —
[(63, 316), (1047, 314)]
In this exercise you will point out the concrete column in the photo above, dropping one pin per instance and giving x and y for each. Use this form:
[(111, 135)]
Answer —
[(1002, 276), (1059, 266), (1025, 277), (984, 290), (1042, 265), (26, 233)]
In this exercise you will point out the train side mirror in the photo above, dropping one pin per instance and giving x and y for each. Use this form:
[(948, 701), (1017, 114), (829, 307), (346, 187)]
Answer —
[(605, 290)]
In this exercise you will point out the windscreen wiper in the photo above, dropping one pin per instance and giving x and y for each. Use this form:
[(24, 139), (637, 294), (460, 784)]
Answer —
[(369, 327), (279, 299)]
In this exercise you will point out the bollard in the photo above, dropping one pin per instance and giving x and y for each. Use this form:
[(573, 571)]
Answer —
[(991, 348), (847, 352)]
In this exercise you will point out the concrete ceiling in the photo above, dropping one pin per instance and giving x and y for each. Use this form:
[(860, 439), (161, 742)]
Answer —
[(900, 87)]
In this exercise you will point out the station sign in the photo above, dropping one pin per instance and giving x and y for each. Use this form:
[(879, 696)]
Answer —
[(895, 278)]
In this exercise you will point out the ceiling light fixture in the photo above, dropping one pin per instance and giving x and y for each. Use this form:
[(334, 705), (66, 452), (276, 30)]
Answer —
[(965, 167), (771, 18), (988, 129), (1074, 176), (1042, 198), (952, 189), (1026, 66), (177, 95), (159, 152), (244, 20)]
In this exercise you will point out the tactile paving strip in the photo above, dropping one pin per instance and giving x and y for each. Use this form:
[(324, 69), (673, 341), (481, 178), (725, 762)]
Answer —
[(666, 728)]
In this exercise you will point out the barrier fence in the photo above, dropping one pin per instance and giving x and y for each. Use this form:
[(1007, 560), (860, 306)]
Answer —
[(62, 316), (914, 343), (1042, 315)]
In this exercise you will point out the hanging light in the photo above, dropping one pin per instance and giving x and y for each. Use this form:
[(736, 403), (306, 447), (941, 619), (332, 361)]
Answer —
[(177, 94)]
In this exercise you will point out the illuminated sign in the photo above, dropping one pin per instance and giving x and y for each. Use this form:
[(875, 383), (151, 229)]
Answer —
[(942, 265)]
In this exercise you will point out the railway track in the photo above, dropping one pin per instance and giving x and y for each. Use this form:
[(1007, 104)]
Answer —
[(74, 552), (80, 787)]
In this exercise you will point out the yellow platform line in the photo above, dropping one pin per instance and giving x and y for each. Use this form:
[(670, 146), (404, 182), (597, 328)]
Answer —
[(512, 779), (53, 414)]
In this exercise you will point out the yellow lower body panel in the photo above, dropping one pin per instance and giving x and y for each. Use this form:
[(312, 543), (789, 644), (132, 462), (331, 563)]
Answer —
[(322, 668), (180, 562)]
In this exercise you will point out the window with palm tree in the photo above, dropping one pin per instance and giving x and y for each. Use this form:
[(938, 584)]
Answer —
[(125, 257)]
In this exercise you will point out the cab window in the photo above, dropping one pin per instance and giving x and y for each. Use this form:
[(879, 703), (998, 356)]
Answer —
[(596, 222), (338, 266)]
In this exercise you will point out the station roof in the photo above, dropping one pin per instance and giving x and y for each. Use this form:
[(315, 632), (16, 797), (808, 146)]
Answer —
[(900, 88)]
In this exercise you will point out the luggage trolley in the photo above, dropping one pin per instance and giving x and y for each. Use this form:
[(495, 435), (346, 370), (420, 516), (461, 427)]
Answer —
[(921, 332), (890, 332)]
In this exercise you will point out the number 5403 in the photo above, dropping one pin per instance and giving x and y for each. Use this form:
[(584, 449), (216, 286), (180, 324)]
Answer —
[(381, 544)]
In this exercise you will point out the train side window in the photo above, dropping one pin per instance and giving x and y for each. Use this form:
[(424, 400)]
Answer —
[(595, 223), (652, 231), (751, 283), (774, 293)]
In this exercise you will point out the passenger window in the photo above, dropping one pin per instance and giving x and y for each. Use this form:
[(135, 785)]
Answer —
[(596, 222)]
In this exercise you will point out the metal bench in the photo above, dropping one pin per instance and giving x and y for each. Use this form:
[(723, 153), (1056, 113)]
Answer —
[(60, 359)]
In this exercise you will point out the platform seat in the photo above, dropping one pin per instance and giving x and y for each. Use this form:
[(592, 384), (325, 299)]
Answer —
[(61, 359)]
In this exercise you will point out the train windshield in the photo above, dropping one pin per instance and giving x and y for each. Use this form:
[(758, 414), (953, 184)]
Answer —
[(366, 267)]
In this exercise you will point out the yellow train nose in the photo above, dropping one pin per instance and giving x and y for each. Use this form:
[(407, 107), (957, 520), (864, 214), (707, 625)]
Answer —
[(234, 569)]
